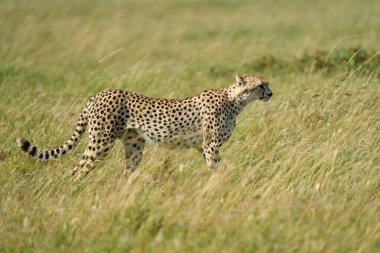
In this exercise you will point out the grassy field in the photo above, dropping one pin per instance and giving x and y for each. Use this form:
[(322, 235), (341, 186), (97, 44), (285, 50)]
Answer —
[(302, 172)]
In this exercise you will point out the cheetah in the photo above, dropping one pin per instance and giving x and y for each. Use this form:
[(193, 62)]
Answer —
[(204, 122)]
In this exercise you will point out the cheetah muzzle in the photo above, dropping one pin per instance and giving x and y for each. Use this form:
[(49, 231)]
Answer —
[(204, 122)]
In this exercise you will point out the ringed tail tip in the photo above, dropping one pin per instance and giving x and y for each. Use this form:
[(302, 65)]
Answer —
[(23, 144)]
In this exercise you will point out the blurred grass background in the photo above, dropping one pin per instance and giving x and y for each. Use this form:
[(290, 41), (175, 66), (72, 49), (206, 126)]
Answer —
[(302, 171)]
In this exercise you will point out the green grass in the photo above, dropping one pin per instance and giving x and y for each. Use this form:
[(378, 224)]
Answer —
[(302, 172)]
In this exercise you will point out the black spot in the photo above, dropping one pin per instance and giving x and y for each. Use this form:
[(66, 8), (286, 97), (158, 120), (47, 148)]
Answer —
[(24, 145), (33, 151)]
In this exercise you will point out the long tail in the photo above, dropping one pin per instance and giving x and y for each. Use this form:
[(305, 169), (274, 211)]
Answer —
[(32, 150)]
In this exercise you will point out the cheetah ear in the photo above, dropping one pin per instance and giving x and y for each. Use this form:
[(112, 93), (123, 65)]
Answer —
[(240, 80)]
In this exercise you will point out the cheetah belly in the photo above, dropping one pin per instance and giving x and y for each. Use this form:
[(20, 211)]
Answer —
[(188, 140), (184, 138)]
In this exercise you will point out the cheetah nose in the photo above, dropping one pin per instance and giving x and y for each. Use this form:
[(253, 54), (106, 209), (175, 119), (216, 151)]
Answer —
[(270, 94)]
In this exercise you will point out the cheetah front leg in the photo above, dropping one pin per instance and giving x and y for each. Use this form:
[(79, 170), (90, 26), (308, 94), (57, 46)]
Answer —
[(133, 150), (214, 135), (211, 152), (211, 145)]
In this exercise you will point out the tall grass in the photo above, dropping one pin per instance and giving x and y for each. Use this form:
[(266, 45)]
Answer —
[(301, 173)]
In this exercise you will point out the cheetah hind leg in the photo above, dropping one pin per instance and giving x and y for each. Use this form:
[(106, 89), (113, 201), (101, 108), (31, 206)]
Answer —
[(93, 154), (133, 150)]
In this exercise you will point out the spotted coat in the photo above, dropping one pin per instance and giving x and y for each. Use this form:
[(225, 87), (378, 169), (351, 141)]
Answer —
[(203, 122)]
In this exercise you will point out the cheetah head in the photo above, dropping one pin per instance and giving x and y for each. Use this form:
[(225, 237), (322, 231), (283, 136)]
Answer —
[(252, 87)]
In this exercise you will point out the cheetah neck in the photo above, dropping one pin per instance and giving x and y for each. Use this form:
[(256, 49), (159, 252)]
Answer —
[(237, 97)]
